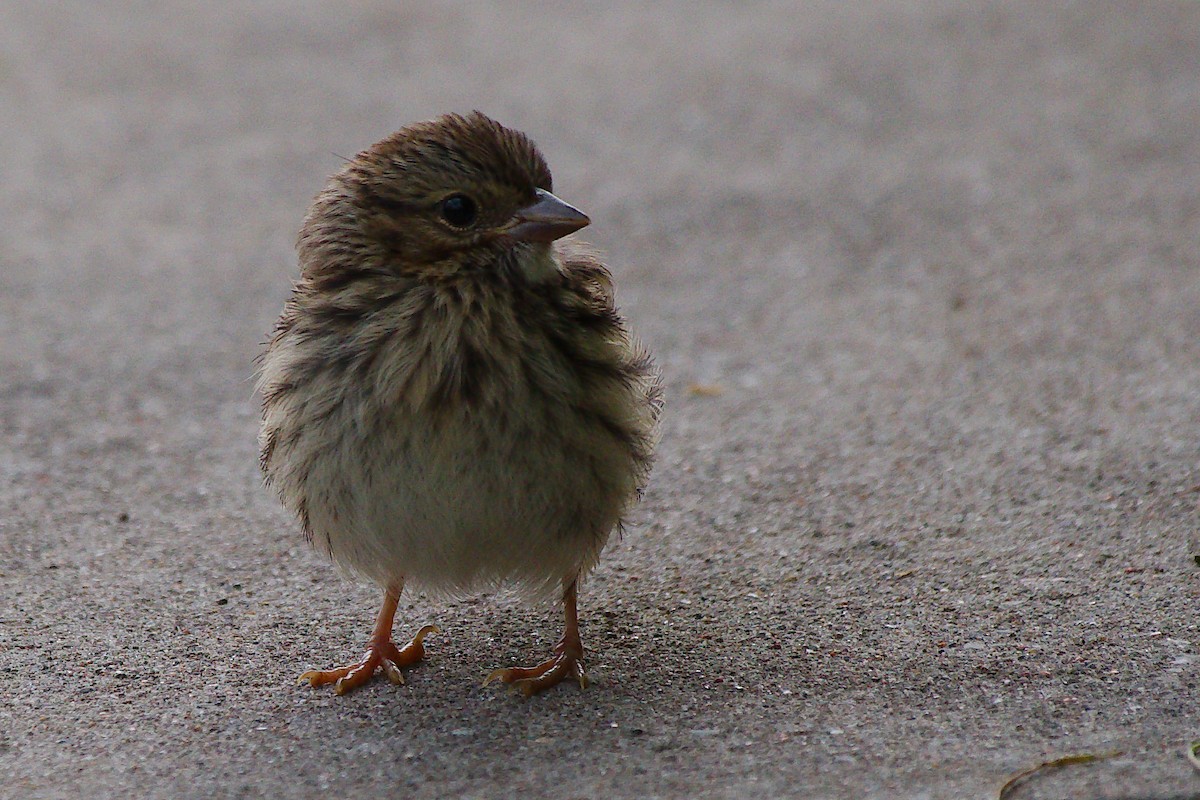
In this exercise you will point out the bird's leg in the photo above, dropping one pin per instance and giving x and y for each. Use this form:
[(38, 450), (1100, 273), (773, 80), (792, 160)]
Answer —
[(382, 652), (567, 661)]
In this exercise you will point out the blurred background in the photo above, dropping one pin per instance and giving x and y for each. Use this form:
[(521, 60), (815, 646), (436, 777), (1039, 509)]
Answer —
[(922, 277)]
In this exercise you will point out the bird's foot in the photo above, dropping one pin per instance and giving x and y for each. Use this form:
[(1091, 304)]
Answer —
[(381, 654), (567, 662)]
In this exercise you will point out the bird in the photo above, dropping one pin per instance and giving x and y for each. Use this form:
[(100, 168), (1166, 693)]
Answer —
[(451, 400)]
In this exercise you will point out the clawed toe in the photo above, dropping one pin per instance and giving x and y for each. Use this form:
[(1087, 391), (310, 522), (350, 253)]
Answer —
[(531, 680), (382, 655)]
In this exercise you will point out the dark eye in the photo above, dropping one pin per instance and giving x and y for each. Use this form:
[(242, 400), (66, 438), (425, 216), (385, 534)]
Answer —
[(459, 210)]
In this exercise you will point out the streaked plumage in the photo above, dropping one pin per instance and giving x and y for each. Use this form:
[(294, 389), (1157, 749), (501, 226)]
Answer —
[(455, 406)]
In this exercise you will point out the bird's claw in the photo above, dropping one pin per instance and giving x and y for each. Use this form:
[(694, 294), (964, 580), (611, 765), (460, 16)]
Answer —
[(385, 656), (529, 681)]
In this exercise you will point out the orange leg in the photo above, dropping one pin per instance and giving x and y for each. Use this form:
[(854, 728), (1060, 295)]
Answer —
[(381, 653), (567, 661)]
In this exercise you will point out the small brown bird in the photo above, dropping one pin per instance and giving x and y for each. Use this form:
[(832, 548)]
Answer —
[(450, 398)]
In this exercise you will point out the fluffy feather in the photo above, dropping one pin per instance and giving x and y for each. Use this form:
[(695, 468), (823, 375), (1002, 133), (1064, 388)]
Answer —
[(445, 405)]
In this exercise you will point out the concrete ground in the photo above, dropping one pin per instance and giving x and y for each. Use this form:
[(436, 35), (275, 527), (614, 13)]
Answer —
[(924, 279)]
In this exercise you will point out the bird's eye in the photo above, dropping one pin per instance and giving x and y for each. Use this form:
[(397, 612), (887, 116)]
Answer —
[(459, 210)]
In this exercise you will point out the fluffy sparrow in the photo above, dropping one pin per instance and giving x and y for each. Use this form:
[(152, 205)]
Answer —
[(450, 398)]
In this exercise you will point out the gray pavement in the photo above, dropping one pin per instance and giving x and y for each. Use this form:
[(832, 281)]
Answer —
[(924, 279)]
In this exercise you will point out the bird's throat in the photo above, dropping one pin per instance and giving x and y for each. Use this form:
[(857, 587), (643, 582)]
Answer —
[(538, 262)]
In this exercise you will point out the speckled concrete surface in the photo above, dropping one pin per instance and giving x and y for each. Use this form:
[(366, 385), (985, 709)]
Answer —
[(924, 279)]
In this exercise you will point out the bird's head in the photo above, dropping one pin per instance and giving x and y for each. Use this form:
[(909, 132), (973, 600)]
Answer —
[(453, 192)]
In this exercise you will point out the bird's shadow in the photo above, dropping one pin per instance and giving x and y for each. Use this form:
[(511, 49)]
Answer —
[(641, 689)]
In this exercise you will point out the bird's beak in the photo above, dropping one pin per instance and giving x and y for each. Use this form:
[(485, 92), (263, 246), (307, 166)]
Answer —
[(546, 220)]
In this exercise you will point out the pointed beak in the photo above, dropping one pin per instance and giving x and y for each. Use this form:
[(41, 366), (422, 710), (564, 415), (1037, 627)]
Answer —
[(546, 220)]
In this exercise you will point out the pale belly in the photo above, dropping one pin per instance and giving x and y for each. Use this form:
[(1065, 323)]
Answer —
[(470, 503)]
